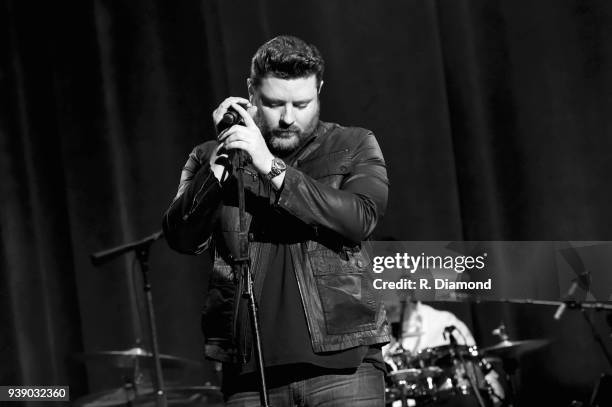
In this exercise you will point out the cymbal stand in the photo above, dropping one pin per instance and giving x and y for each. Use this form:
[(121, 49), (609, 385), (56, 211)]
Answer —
[(142, 249), (509, 365), (596, 335), (573, 305)]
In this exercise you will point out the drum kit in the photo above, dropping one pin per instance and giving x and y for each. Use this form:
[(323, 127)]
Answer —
[(454, 375)]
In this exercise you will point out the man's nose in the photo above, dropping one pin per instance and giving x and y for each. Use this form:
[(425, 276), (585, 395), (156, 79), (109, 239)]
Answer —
[(288, 115)]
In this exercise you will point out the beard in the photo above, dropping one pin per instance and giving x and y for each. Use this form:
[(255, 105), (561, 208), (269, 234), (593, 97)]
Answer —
[(282, 141)]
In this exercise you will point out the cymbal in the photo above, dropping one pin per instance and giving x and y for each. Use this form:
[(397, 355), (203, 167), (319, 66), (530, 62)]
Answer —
[(507, 348), (145, 396), (127, 358)]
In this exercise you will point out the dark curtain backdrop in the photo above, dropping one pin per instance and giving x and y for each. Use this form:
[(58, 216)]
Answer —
[(494, 118)]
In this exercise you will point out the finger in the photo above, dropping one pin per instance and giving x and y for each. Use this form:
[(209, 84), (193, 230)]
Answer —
[(236, 137), (248, 120), (221, 136), (223, 106), (235, 99), (235, 129), (220, 150), (219, 147), (237, 144)]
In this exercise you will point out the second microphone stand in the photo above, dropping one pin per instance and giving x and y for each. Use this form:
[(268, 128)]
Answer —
[(142, 248)]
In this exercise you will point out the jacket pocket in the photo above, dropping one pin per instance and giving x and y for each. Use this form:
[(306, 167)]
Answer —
[(345, 288), (217, 317)]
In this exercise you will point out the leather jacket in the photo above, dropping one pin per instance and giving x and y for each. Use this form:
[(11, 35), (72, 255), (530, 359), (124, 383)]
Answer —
[(334, 193)]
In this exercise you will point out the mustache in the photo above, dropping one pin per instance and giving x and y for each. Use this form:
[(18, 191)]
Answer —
[(285, 131)]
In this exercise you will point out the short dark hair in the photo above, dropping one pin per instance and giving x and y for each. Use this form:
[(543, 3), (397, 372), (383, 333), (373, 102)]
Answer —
[(287, 57)]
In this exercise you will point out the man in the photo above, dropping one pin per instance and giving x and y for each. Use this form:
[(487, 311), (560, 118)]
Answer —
[(423, 327), (314, 191)]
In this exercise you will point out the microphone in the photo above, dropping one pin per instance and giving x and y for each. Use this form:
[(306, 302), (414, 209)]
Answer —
[(230, 118)]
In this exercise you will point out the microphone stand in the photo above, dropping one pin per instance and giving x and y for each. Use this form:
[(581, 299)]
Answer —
[(243, 267), (242, 264), (142, 248)]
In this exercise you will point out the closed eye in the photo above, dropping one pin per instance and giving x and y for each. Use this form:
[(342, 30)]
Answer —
[(272, 104)]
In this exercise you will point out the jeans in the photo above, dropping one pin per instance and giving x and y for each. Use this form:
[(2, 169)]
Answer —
[(363, 387)]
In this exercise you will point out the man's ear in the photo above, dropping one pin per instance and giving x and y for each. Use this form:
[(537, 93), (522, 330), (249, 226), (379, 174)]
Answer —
[(320, 87), (250, 89)]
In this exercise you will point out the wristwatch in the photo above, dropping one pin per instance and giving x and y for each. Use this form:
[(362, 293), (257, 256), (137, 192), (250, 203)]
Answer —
[(278, 166)]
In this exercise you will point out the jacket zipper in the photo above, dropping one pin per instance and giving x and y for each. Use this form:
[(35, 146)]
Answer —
[(298, 278)]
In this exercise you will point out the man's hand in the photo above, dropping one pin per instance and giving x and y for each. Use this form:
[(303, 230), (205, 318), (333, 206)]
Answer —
[(247, 138), (219, 161), (218, 113)]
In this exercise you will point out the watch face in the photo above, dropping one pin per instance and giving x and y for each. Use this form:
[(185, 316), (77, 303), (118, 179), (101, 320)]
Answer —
[(279, 164)]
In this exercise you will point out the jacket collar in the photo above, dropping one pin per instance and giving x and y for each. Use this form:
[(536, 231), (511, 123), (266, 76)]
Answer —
[(312, 143)]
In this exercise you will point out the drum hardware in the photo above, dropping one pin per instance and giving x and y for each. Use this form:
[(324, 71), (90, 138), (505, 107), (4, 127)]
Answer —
[(458, 356), (440, 375), (410, 377), (570, 304), (501, 332), (421, 390), (509, 352), (138, 389), (141, 248), (434, 376)]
